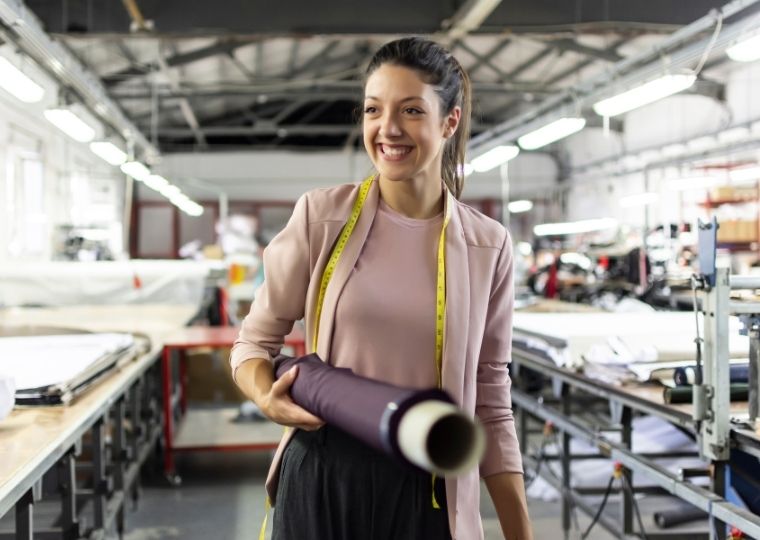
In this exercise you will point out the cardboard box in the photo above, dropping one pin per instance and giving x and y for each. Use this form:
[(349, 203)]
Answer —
[(738, 231), (209, 377), (733, 193)]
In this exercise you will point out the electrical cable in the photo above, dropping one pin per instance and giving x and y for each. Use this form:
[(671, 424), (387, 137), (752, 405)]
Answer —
[(629, 488), (706, 53), (601, 507)]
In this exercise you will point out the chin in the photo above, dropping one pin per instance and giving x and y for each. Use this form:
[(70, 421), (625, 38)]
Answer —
[(394, 175)]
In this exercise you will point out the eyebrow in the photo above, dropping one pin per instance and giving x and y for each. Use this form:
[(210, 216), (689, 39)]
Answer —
[(410, 98)]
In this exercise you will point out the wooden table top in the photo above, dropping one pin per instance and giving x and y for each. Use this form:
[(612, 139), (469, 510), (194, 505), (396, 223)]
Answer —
[(31, 439)]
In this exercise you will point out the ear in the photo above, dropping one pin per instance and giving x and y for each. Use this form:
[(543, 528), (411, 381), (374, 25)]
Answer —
[(451, 122)]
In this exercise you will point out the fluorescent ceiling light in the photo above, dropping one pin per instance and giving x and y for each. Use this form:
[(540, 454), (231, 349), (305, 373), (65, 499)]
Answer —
[(108, 152), (136, 170), (70, 124), (19, 85), (494, 157), (156, 182), (746, 50), (694, 182), (516, 207), (179, 199), (744, 175), (559, 129), (639, 199), (646, 93), (192, 208), (574, 227), (170, 191)]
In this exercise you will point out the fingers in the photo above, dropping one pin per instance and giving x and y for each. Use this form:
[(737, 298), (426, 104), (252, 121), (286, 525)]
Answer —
[(282, 385), (296, 416), (284, 411)]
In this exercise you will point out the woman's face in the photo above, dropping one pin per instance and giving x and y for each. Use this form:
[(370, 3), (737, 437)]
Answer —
[(404, 131)]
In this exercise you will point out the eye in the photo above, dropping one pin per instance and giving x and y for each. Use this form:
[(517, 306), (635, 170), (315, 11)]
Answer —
[(413, 111), (370, 110)]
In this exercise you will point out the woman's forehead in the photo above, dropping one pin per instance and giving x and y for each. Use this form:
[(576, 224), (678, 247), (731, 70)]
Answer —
[(398, 82)]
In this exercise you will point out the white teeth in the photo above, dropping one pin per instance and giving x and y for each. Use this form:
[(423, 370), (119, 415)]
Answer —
[(395, 151)]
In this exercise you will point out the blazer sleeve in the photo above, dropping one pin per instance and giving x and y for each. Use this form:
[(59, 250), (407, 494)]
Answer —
[(493, 404), (280, 300)]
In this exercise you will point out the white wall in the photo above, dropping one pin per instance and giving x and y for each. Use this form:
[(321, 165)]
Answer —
[(65, 162), (672, 120)]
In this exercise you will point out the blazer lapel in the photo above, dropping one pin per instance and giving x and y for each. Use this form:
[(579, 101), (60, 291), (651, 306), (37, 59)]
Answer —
[(457, 307), (457, 321), (343, 270)]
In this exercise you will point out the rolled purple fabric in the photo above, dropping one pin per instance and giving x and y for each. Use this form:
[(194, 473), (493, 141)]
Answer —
[(422, 428)]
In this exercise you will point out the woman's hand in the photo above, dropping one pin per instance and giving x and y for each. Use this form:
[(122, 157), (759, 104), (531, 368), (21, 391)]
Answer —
[(278, 406), (255, 377)]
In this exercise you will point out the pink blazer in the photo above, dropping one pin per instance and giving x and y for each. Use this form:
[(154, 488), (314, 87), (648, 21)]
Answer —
[(478, 331)]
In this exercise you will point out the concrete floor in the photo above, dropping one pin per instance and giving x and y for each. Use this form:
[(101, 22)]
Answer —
[(222, 497)]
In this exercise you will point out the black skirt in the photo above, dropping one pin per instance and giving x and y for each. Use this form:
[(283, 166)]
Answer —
[(334, 487)]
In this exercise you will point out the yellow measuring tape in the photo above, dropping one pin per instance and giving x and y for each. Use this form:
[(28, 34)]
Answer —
[(440, 297), (332, 262)]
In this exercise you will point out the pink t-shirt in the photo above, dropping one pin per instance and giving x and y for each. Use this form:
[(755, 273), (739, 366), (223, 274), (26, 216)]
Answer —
[(385, 317)]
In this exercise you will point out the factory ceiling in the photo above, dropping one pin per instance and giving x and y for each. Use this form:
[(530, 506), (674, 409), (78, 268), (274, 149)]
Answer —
[(200, 75)]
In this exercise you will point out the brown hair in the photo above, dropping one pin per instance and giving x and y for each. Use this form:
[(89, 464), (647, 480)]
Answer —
[(438, 67)]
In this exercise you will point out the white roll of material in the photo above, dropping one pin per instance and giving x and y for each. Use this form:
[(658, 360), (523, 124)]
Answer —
[(439, 437), (7, 395)]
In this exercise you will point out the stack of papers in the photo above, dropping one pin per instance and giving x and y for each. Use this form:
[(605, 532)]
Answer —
[(52, 369), (7, 390)]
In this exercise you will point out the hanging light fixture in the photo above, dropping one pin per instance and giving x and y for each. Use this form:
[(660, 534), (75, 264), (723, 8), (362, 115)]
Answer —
[(18, 84), (71, 124), (494, 157), (649, 92), (109, 152), (554, 131)]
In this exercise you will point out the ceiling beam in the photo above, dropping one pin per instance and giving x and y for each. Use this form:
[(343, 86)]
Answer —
[(608, 55), (287, 89), (469, 17), (184, 103), (517, 70), (180, 59), (314, 61), (268, 128), (488, 56), (482, 59)]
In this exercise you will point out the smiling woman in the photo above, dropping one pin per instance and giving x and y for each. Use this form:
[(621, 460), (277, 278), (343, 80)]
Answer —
[(417, 292)]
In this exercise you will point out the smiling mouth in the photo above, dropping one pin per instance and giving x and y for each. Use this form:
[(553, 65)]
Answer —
[(394, 151)]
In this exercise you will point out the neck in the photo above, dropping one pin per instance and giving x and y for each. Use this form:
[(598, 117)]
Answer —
[(413, 198)]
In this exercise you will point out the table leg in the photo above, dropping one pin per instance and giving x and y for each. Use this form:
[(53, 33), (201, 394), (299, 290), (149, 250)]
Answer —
[(183, 380), (24, 517), (166, 380)]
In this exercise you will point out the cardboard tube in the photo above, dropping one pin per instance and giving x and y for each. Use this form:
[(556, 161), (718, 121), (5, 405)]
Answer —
[(438, 437), (423, 428)]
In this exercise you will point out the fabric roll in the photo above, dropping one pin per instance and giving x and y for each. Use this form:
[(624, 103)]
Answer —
[(374, 412), (684, 376), (683, 394)]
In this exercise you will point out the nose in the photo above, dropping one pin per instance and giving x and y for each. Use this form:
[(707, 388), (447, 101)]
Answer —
[(389, 125)]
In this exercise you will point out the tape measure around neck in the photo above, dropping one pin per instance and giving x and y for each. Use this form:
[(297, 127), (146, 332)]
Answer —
[(337, 251), (440, 296)]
